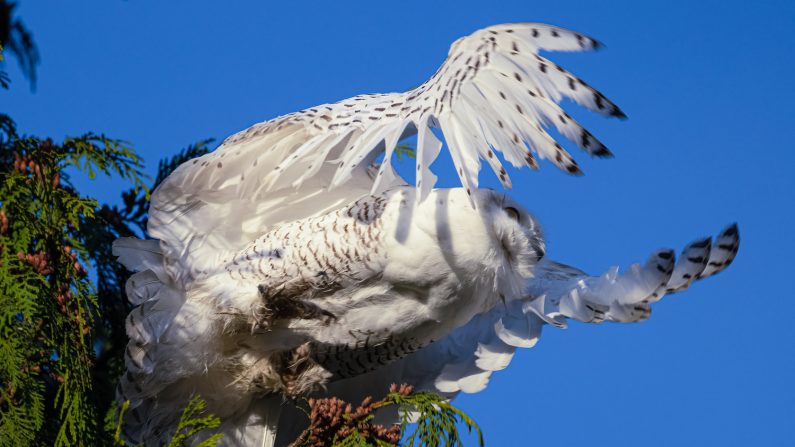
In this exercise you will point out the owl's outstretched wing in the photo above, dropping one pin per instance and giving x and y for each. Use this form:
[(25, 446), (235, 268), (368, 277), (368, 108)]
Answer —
[(465, 359), (494, 92)]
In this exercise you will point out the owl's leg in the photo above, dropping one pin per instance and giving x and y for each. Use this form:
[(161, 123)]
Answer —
[(285, 303)]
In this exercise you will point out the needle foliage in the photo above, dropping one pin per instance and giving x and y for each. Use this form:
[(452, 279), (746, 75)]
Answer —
[(49, 307)]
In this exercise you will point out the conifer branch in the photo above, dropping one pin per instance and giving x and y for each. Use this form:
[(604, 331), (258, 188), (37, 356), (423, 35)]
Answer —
[(334, 422)]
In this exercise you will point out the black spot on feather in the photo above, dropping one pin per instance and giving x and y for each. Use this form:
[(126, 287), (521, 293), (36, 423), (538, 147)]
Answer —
[(731, 231), (598, 100), (702, 243)]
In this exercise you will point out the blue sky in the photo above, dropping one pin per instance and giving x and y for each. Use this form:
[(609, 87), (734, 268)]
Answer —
[(708, 90)]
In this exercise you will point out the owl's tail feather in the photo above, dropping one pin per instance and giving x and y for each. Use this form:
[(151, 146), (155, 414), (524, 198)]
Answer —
[(174, 354), (158, 301)]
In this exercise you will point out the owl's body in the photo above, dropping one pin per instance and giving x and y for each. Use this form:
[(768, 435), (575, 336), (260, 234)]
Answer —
[(286, 266), (331, 285), (454, 260), (314, 300)]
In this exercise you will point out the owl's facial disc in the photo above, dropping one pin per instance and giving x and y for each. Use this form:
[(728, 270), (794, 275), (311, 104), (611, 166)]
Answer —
[(518, 233)]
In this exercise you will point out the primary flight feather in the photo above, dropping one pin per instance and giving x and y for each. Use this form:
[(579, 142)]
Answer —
[(288, 262)]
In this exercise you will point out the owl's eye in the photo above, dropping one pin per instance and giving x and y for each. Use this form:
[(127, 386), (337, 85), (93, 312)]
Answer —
[(512, 212)]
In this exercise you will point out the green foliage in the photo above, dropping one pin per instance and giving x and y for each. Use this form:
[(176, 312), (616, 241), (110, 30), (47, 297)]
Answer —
[(48, 306), (192, 421), (436, 420), (406, 150), (117, 441)]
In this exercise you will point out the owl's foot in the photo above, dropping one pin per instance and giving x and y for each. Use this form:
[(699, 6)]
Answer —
[(299, 373), (277, 304), (291, 372)]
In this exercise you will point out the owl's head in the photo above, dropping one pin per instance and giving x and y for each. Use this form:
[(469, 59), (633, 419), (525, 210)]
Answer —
[(516, 234), (497, 232)]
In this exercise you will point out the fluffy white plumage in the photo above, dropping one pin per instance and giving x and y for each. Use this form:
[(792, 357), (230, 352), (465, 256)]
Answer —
[(287, 265)]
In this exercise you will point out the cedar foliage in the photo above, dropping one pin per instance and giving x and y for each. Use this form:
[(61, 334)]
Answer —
[(334, 422), (49, 307)]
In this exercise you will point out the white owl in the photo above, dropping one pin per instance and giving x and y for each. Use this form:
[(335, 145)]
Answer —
[(288, 263)]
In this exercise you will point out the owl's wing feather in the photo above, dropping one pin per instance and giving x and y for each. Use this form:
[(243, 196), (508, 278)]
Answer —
[(493, 93), (204, 217), (464, 360)]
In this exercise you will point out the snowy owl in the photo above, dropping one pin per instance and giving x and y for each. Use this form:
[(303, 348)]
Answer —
[(290, 262)]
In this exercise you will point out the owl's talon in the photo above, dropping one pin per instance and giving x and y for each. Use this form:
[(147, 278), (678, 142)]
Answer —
[(276, 305)]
